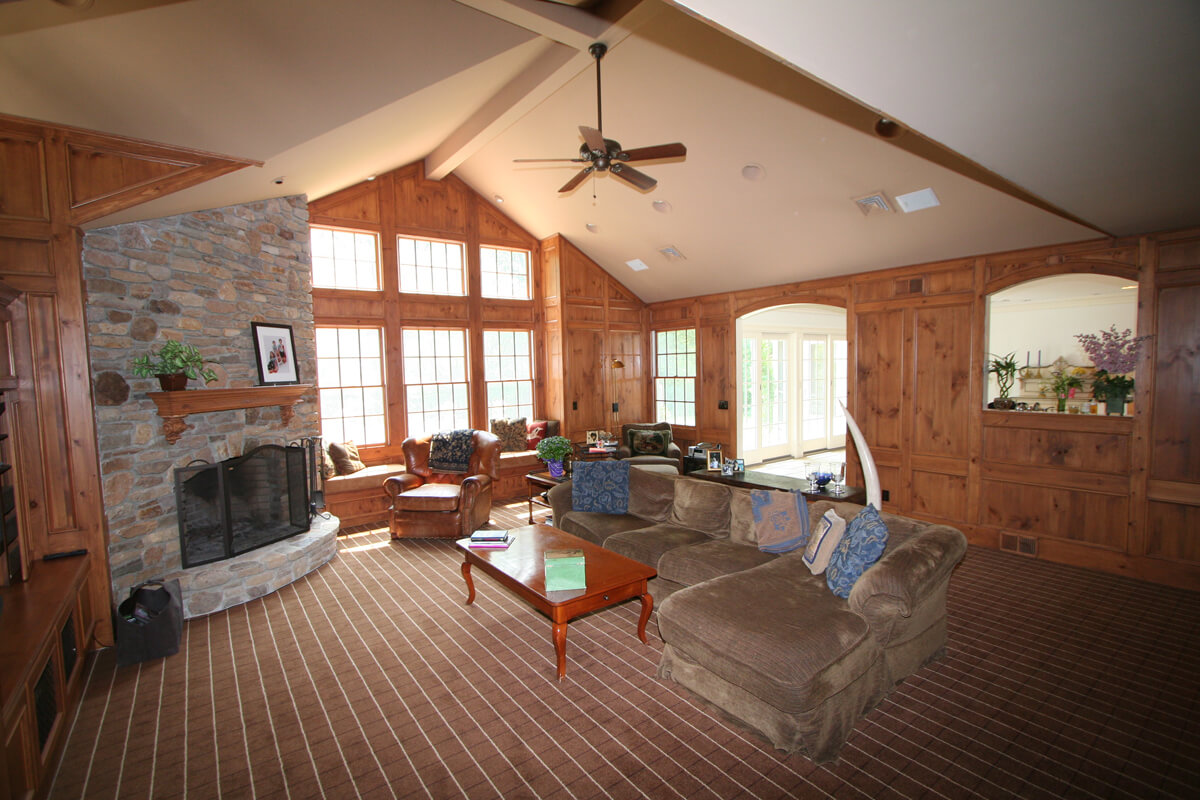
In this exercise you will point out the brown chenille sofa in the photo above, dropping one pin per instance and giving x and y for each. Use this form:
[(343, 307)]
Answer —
[(758, 635)]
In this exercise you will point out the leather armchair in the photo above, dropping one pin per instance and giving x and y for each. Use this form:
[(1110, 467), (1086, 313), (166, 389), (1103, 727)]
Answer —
[(673, 455), (427, 504)]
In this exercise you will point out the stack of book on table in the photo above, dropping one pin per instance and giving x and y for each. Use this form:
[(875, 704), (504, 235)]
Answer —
[(496, 540)]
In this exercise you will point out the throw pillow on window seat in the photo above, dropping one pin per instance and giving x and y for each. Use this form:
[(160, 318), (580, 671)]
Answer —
[(511, 433), (345, 458)]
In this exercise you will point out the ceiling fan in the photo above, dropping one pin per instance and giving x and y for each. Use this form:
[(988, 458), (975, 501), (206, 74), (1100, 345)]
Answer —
[(607, 155)]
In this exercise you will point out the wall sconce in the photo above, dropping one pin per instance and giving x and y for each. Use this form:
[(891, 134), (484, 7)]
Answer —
[(617, 364)]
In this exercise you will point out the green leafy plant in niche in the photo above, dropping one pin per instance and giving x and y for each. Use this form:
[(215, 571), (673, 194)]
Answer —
[(173, 358)]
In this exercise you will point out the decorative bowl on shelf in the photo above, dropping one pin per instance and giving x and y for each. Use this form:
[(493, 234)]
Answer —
[(822, 477)]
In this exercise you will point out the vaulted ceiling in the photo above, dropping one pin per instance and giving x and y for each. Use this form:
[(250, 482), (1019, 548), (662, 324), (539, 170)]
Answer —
[(1032, 122)]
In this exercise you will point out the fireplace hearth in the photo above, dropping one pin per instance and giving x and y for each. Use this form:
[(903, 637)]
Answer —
[(242, 503)]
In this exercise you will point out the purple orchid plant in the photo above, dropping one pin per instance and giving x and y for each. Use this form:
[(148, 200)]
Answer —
[(1115, 355)]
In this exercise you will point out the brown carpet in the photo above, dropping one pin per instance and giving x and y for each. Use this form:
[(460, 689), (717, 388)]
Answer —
[(371, 678)]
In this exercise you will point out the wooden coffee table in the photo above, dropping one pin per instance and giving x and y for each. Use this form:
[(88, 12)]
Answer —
[(611, 579)]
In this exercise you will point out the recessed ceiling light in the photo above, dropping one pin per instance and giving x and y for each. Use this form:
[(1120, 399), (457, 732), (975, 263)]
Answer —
[(279, 180), (498, 198), (917, 201), (592, 227), (662, 206), (754, 172), (637, 265), (1129, 287)]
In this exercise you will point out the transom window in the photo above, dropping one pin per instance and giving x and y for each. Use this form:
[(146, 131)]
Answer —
[(430, 266), (508, 373), (675, 376), (350, 383), (344, 259), (435, 380), (504, 273)]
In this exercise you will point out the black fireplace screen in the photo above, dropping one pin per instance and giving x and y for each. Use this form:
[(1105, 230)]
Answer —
[(240, 504)]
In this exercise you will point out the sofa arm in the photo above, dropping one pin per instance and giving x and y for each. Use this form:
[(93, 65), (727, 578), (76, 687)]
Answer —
[(900, 581), (401, 483), (560, 501)]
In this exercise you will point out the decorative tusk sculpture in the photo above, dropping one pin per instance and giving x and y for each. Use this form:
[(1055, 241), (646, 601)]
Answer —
[(870, 474)]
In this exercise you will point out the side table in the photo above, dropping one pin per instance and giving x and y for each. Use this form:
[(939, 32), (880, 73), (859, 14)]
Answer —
[(538, 483)]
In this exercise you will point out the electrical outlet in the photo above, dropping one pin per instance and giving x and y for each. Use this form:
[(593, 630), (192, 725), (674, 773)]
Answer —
[(886, 495), (723, 405), (616, 407), (574, 405)]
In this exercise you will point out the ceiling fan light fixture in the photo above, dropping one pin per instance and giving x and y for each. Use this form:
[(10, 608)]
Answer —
[(754, 172)]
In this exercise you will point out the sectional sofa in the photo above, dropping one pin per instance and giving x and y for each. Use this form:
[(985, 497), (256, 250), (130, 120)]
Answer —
[(757, 634)]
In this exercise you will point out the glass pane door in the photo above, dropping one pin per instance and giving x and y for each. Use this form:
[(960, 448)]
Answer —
[(766, 397)]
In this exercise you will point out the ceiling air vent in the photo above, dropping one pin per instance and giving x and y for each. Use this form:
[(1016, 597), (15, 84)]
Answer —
[(672, 253), (874, 203)]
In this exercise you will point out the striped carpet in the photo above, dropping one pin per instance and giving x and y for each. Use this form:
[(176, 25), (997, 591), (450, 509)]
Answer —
[(370, 678)]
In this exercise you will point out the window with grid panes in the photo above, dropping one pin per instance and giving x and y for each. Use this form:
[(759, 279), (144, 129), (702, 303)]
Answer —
[(504, 273), (350, 385), (508, 372), (675, 376), (435, 380), (430, 266), (344, 259)]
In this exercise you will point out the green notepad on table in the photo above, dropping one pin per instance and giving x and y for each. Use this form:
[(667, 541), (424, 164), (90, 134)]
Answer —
[(565, 570)]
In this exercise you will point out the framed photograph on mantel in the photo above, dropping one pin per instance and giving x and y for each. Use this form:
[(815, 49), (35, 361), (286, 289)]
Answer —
[(275, 353)]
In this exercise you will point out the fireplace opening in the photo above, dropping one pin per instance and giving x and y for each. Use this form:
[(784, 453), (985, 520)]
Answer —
[(242, 503)]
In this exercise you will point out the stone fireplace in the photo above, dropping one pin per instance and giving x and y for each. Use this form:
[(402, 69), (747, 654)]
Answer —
[(202, 278)]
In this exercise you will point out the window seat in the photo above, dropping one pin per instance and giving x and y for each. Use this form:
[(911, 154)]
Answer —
[(359, 498)]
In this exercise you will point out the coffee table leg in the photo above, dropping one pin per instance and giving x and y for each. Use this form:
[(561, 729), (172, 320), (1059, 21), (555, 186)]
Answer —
[(466, 571), (647, 607), (560, 647)]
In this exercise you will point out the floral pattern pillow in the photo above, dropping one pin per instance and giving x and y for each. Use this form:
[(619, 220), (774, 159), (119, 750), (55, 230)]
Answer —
[(511, 433), (649, 443), (865, 540), (601, 486)]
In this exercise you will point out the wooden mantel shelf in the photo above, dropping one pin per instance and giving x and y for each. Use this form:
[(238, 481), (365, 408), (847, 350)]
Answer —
[(174, 406)]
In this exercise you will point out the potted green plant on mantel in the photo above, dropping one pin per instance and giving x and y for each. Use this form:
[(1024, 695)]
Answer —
[(553, 450), (1061, 383), (1005, 369), (174, 364)]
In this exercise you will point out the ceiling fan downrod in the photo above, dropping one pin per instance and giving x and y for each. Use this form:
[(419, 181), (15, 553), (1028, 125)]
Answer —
[(598, 49)]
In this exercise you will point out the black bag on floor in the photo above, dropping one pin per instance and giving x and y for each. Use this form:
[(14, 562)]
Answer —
[(149, 623)]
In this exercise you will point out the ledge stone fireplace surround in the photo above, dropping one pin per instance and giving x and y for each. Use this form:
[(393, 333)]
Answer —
[(202, 278)]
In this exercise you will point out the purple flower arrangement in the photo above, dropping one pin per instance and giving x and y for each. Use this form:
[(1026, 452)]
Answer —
[(1114, 354)]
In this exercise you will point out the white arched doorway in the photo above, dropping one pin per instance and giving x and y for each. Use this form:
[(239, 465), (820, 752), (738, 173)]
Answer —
[(792, 371)]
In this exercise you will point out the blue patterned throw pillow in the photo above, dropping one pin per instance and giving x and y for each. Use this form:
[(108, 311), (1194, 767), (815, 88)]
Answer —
[(780, 520), (601, 486), (864, 542)]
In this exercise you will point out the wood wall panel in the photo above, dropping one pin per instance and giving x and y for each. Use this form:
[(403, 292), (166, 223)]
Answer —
[(629, 382), (585, 393), (879, 377), (1173, 532), (942, 345), (939, 495), (1175, 429), (1088, 517), (23, 194), (716, 379), (422, 207), (95, 173), (1097, 452), (48, 383), (354, 207), (21, 256)]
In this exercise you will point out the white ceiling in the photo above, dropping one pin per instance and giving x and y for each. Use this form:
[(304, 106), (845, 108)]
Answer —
[(1088, 105)]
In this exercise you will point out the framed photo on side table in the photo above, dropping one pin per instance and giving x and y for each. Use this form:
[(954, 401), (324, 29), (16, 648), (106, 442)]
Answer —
[(714, 460), (275, 353)]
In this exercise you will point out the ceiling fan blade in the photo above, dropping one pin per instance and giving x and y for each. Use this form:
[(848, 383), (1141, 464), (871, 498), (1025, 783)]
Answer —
[(639, 179), (537, 160), (594, 139), (674, 150), (578, 179)]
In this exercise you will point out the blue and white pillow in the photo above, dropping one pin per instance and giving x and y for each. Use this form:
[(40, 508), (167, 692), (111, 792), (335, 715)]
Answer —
[(601, 486), (780, 520), (865, 540)]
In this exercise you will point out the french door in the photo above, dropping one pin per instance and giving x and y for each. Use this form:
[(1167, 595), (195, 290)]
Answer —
[(791, 384)]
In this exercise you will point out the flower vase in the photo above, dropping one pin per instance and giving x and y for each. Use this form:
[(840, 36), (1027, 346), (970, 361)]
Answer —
[(1062, 403), (556, 468), (1115, 406)]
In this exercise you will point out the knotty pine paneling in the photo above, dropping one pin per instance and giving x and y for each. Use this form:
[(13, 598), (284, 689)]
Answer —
[(1089, 517), (879, 377), (95, 173), (939, 495), (585, 391), (1175, 430), (942, 345), (23, 192), (716, 379), (423, 207), (21, 256), (357, 207), (1173, 532), (1096, 452)]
